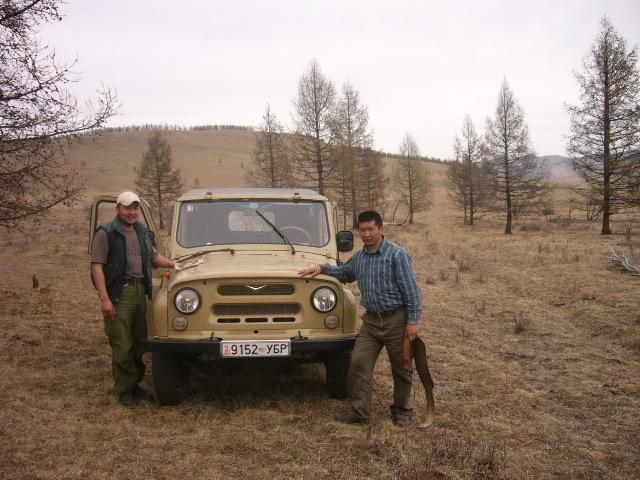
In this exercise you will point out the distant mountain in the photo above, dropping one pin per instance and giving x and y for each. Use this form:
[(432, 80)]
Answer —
[(558, 167)]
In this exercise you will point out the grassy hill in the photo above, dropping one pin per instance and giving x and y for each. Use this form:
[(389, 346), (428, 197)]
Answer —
[(215, 158), (533, 341), (211, 158)]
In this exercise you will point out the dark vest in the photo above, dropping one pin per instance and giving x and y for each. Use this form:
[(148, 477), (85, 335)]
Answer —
[(115, 270)]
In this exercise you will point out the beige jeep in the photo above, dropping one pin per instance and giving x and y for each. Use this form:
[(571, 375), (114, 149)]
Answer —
[(238, 297)]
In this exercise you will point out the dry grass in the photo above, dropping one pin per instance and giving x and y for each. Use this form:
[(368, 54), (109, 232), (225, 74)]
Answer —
[(558, 399)]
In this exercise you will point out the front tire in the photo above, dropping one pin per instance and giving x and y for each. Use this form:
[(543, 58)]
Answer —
[(171, 378), (337, 368)]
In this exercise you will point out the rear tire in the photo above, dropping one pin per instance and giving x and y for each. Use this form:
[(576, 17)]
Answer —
[(171, 378), (337, 368)]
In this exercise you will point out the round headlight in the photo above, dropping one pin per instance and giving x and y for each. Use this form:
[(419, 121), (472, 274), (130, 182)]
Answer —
[(180, 323), (324, 299), (187, 300), (331, 321)]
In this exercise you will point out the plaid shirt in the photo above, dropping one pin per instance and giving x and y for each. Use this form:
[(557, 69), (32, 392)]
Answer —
[(385, 278)]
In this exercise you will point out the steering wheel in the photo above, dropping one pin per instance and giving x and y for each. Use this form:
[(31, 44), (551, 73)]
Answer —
[(300, 234)]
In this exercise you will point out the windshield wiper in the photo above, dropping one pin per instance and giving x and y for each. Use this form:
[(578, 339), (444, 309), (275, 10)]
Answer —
[(277, 230), (204, 252)]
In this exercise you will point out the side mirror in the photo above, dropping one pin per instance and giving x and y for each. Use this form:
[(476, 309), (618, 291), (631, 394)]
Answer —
[(345, 240)]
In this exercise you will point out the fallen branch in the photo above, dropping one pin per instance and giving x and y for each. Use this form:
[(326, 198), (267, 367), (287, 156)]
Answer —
[(624, 261)]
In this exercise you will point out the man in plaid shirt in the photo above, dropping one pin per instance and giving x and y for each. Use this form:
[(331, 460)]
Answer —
[(393, 302)]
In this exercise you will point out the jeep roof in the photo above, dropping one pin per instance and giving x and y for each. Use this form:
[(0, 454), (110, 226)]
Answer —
[(242, 193)]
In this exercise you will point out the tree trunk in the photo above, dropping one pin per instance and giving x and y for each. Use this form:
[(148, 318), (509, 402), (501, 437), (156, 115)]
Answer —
[(319, 167), (507, 188), (471, 206), (606, 198), (158, 188), (272, 160)]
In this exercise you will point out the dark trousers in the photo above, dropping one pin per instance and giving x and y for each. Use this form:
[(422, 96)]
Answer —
[(124, 331), (376, 333)]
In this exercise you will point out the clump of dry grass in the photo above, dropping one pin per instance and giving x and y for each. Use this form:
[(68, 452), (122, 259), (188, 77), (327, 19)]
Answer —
[(521, 322), (543, 248), (530, 227), (478, 277), (463, 265), (480, 456), (433, 247), (538, 261)]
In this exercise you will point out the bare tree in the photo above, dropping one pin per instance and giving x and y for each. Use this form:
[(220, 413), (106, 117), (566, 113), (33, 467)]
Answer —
[(352, 138), (468, 187), (411, 178), (605, 128), (39, 118), (157, 181), (271, 166), (315, 157), (519, 174), (373, 181)]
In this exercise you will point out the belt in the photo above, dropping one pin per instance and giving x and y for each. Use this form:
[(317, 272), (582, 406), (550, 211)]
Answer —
[(129, 280), (384, 313)]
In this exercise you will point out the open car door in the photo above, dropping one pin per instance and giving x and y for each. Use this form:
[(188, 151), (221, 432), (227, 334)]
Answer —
[(103, 210)]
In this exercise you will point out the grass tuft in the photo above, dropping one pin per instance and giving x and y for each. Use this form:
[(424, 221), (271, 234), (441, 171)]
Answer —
[(521, 323)]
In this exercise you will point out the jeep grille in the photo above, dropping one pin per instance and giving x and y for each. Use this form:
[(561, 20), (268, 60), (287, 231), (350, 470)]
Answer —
[(244, 309), (256, 289)]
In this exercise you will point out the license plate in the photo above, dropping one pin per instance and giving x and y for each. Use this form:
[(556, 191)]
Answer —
[(255, 348)]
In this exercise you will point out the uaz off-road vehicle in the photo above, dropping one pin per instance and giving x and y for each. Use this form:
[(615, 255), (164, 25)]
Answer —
[(238, 297)]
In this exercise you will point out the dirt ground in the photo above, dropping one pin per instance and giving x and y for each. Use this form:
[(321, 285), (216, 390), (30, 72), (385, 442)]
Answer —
[(533, 339)]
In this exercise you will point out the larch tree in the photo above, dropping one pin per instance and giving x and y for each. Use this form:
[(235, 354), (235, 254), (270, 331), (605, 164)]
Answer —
[(411, 178), (158, 182), (372, 182), (467, 185), (314, 156), (519, 175), (605, 128), (352, 138), (39, 117), (271, 166)]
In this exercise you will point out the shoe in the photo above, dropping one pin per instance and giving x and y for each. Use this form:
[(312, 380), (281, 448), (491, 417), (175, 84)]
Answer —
[(141, 393), (401, 421), (401, 416), (127, 399), (351, 418)]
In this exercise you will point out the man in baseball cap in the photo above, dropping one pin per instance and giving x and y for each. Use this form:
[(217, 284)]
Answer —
[(122, 257)]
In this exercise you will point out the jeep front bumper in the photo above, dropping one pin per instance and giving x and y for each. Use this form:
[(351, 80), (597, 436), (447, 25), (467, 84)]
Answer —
[(301, 348)]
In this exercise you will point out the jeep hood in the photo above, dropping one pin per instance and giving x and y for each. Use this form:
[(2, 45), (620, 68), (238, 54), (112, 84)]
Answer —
[(250, 263)]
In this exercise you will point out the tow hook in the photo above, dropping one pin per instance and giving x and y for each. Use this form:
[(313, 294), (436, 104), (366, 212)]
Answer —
[(299, 337)]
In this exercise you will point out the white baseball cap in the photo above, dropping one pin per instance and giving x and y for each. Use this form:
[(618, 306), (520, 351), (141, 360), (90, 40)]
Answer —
[(127, 198)]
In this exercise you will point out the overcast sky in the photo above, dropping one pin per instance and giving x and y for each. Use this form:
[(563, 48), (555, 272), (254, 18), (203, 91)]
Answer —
[(420, 66)]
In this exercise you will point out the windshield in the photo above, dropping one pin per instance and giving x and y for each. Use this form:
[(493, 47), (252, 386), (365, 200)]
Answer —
[(218, 222)]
